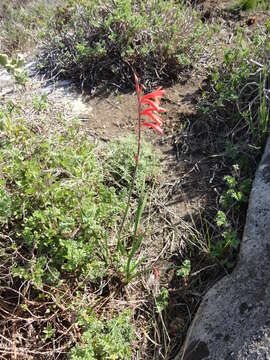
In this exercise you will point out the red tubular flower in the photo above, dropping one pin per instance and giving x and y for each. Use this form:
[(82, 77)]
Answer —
[(152, 100), (156, 274)]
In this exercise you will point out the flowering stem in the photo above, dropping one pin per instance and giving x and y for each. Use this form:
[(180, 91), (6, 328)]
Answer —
[(137, 156), (152, 100)]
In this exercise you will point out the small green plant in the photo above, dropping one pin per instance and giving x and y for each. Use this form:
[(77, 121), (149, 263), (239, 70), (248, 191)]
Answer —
[(48, 332), (229, 236), (230, 201), (237, 191), (104, 339), (162, 300), (40, 103), (184, 270), (15, 67)]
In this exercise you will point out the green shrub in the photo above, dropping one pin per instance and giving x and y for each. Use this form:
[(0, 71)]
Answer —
[(58, 185), (241, 84), (105, 339), (97, 41), (57, 199)]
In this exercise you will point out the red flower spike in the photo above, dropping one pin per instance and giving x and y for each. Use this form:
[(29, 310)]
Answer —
[(155, 118), (153, 104), (153, 126), (152, 101), (155, 94)]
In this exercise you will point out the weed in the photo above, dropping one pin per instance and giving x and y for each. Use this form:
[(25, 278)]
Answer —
[(228, 239), (48, 332), (230, 203)]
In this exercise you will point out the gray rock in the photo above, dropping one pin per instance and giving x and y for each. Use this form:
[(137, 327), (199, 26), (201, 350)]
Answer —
[(7, 83), (60, 92), (233, 321)]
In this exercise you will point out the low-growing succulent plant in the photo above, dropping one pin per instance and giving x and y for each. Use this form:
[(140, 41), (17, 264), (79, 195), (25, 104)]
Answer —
[(14, 66)]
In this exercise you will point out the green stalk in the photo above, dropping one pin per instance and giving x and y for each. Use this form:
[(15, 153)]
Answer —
[(131, 188)]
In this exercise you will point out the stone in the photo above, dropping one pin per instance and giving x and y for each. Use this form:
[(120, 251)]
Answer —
[(233, 320), (7, 83)]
